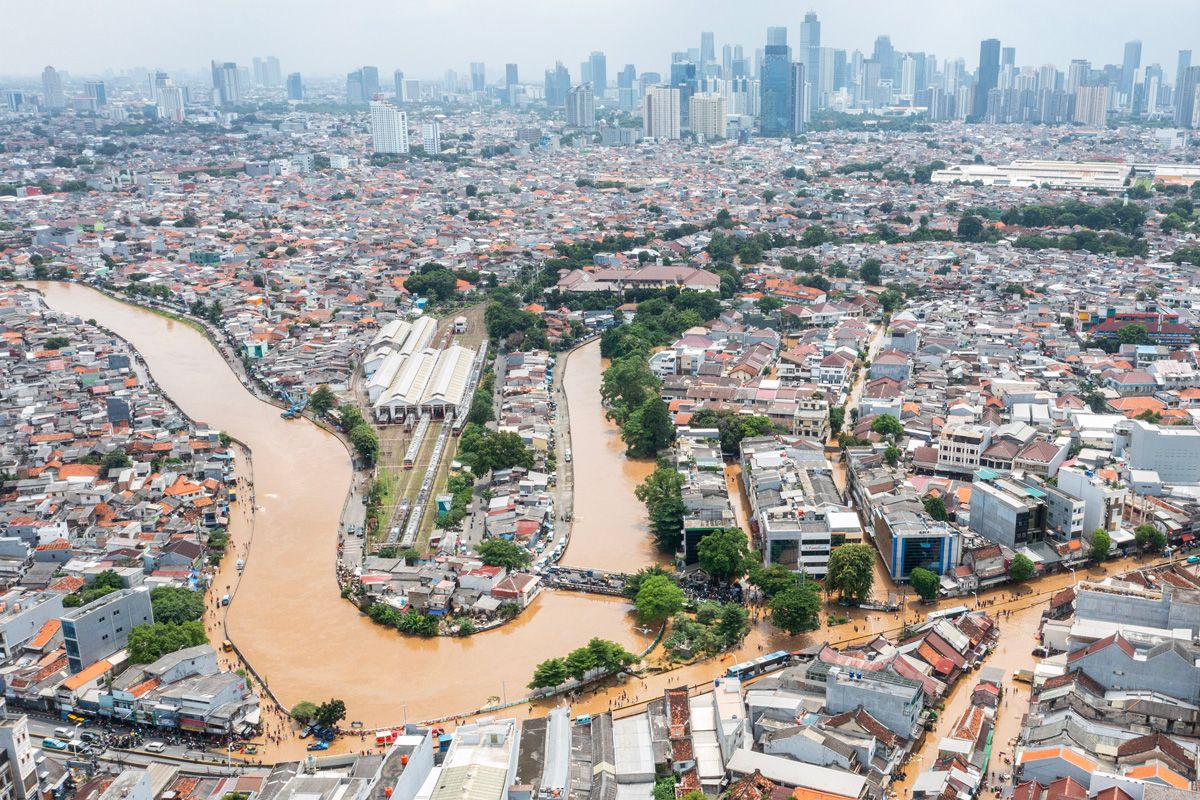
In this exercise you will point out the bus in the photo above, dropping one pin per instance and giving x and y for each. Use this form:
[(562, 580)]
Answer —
[(757, 666), (946, 613)]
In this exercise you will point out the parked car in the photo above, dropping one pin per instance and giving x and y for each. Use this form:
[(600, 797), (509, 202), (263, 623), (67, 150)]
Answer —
[(319, 746), (54, 744)]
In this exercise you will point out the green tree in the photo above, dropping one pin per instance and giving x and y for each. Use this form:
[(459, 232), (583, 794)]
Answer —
[(1101, 545), (498, 552), (892, 455), (114, 459), (626, 385), (970, 228), (322, 400), (148, 643), (925, 582), (733, 624), (664, 788), (365, 442), (304, 711), (487, 450), (851, 571), (935, 507), (548, 674), (1149, 537), (797, 609), (662, 493), (57, 343), (837, 418), (1021, 568), (579, 662), (724, 554), (634, 584), (648, 429), (330, 713), (870, 271), (176, 604), (1133, 333), (887, 425), (658, 599), (773, 579)]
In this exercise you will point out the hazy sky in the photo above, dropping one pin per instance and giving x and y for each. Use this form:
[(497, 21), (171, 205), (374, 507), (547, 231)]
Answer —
[(426, 37)]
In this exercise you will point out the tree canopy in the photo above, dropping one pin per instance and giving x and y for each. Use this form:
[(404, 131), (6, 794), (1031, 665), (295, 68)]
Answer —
[(851, 571), (658, 599), (503, 553), (724, 554), (148, 643), (1101, 544), (797, 609), (662, 494), (176, 604), (925, 582), (1021, 568)]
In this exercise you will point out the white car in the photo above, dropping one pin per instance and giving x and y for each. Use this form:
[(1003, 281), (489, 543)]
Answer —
[(155, 747)]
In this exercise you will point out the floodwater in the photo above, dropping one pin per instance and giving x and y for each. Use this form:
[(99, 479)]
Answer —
[(287, 617), (609, 530)]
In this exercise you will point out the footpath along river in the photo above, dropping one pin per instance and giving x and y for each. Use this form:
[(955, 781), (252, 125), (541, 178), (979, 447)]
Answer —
[(287, 617)]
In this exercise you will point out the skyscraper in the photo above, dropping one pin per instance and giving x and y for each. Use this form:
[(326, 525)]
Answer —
[(810, 57), (398, 85), (1129, 67), (683, 77), (1187, 104), (1185, 61), (581, 107), (356, 94), (987, 77), (777, 36), (295, 89), (660, 112), (558, 83), (627, 77), (1008, 56), (776, 90), (885, 55), (478, 76), (801, 89), (370, 80), (389, 128), (226, 84), (598, 66), (1091, 106), (52, 88), (510, 75), (707, 114), (97, 90), (708, 49)]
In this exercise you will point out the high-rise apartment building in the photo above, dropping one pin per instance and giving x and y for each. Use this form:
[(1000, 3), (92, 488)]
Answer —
[(52, 88), (295, 89), (660, 112), (169, 103), (708, 49), (227, 84), (810, 57), (684, 78), (987, 77), (431, 137), (389, 128), (581, 107), (398, 85), (1185, 61), (510, 83), (801, 91), (706, 110), (1091, 106)]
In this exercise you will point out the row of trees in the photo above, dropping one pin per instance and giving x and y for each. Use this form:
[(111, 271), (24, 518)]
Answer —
[(487, 450), (598, 654), (362, 435), (329, 713), (630, 392)]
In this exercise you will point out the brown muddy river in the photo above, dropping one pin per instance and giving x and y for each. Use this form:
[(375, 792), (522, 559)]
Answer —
[(287, 617), (609, 530)]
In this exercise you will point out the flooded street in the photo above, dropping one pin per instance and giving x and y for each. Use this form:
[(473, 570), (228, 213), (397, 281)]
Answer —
[(609, 530), (287, 617)]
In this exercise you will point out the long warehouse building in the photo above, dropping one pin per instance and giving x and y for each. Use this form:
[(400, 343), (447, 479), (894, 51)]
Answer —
[(433, 381), (393, 345)]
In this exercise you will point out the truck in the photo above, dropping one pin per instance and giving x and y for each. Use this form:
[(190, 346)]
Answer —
[(1023, 676)]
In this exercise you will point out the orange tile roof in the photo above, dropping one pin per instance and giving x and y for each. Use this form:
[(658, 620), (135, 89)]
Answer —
[(89, 673)]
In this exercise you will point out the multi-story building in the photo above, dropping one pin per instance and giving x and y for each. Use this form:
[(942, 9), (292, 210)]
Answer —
[(22, 617), (227, 84), (1007, 512), (581, 107), (907, 537), (431, 137), (776, 115), (1102, 499), (961, 446), (707, 114), (101, 628), (1171, 451), (389, 128), (23, 781), (794, 502), (295, 89), (52, 88), (1091, 106), (660, 113), (895, 701)]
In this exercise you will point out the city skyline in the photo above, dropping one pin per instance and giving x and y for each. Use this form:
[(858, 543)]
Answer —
[(416, 38)]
